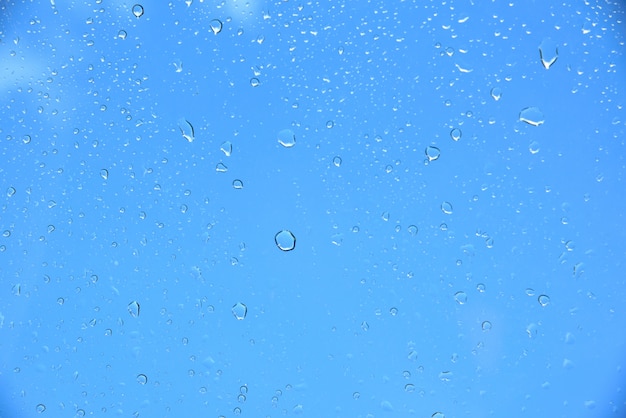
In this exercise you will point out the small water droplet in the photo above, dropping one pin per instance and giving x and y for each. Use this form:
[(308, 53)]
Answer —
[(438, 415), (221, 168), (237, 184), (287, 138), (240, 311), (133, 309), (330, 124), (456, 134), (40, 408), (11, 191), (544, 300), (186, 129), (285, 240), (486, 326), (432, 153), (142, 379), (122, 34), (51, 228), (138, 10), (410, 388), (356, 395), (496, 93), (532, 116), (446, 207), (337, 161), (460, 297), (104, 173), (548, 53), (412, 230), (255, 82), (480, 287), (216, 26), (26, 139)]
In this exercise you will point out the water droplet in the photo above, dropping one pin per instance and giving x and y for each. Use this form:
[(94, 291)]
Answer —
[(496, 93), (337, 161), (432, 153), (548, 53), (544, 300), (138, 10), (285, 240), (531, 115), (216, 26), (412, 230), (26, 139), (393, 311), (365, 326), (51, 228), (534, 147), (356, 395), (221, 168), (11, 191), (287, 138), (133, 309), (386, 406), (142, 379), (446, 207), (409, 388), (240, 311), (445, 376), (60, 301), (104, 173), (227, 148), (460, 297), (456, 134), (237, 184), (40, 408), (186, 129), (480, 287), (255, 82), (438, 415), (486, 326), (330, 124), (530, 292), (122, 34)]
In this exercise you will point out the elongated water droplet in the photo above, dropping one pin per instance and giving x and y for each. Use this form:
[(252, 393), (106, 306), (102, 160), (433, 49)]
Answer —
[(133, 309), (216, 26), (186, 129), (548, 53)]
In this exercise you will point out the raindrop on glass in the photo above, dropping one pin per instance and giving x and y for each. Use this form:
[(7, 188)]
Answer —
[(486, 326), (531, 115), (446, 207), (496, 93), (138, 10), (432, 153), (240, 311), (544, 300), (216, 26), (142, 379), (255, 82), (456, 134), (221, 168), (40, 408), (480, 287), (133, 309), (438, 415), (122, 34), (330, 124), (548, 53), (412, 230), (237, 184), (227, 148), (287, 138), (337, 161), (104, 173), (285, 240), (460, 297), (11, 191)]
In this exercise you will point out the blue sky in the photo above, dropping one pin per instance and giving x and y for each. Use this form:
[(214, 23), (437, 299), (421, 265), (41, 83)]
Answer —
[(146, 181)]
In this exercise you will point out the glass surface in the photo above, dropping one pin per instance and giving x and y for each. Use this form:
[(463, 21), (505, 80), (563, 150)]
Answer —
[(431, 225)]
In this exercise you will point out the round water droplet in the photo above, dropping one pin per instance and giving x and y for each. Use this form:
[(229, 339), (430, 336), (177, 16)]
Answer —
[(216, 26), (486, 326), (412, 230), (133, 309), (480, 287), (26, 139), (410, 388), (142, 379), (285, 240), (240, 311), (456, 134), (138, 10), (287, 138), (460, 297), (432, 153), (532, 116), (51, 228), (544, 300), (104, 173), (496, 93), (446, 207), (356, 395), (330, 124), (122, 34), (40, 408), (11, 191), (237, 184), (255, 82), (337, 161)]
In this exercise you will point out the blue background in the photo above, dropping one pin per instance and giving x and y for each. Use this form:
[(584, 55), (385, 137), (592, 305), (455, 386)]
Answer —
[(105, 203)]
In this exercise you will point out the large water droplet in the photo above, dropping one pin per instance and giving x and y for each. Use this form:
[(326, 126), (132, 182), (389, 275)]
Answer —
[(138, 10), (216, 26), (285, 240), (544, 300), (548, 53), (460, 297), (446, 207), (186, 129), (133, 309), (240, 311), (142, 379), (456, 134), (287, 138), (496, 93), (531, 115), (432, 153)]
